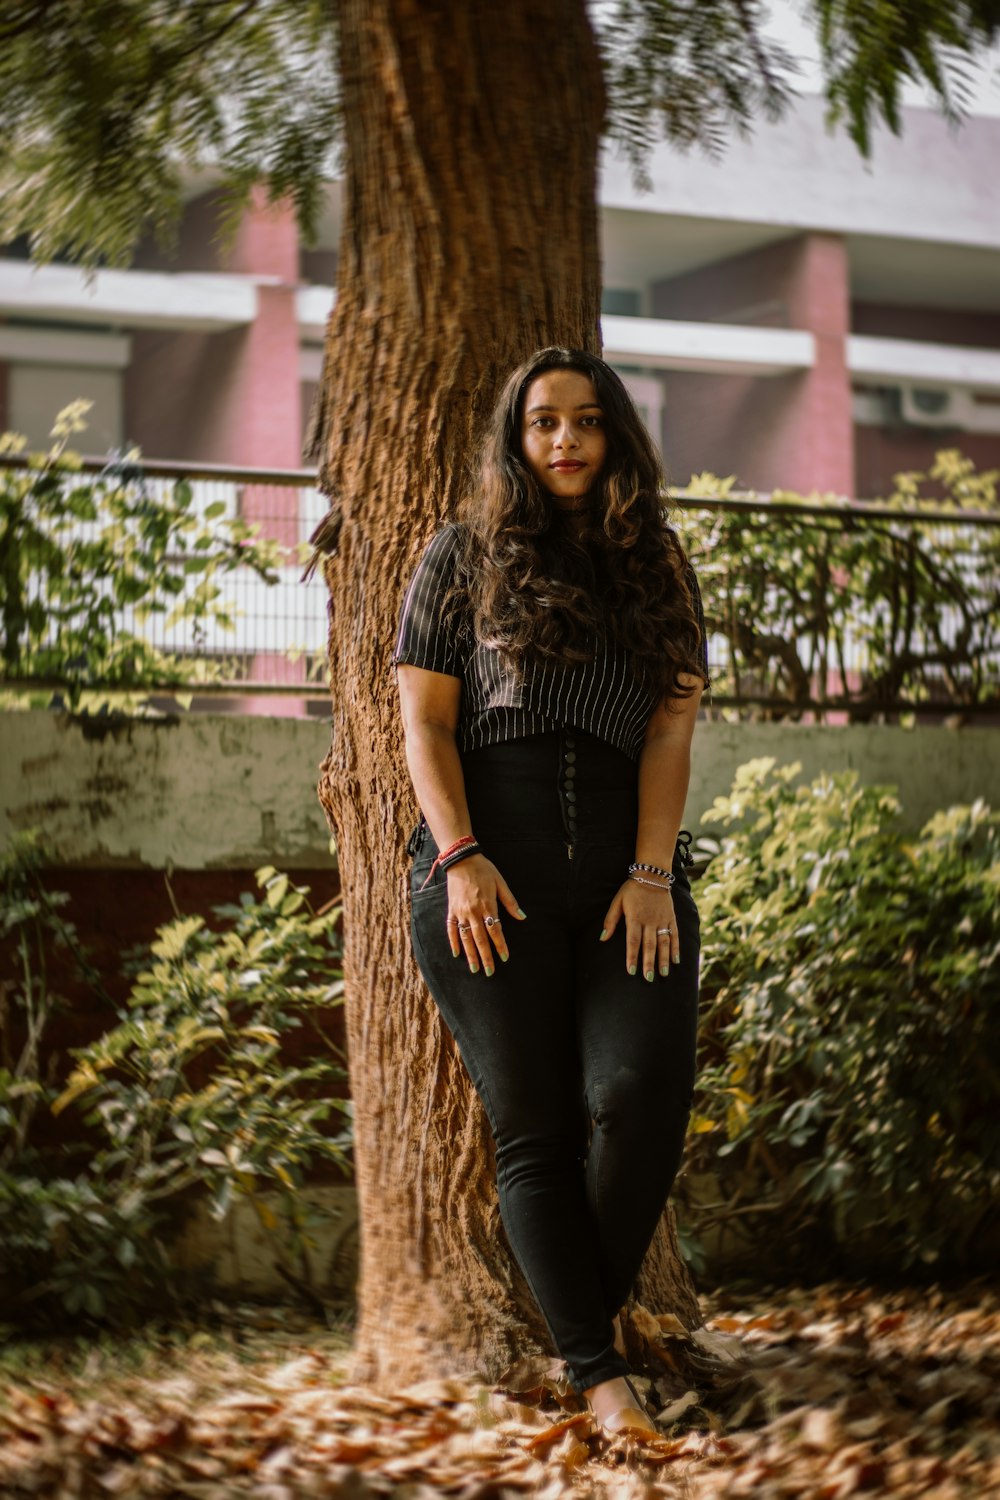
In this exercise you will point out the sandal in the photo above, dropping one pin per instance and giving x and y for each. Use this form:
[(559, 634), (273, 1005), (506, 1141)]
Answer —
[(629, 1419)]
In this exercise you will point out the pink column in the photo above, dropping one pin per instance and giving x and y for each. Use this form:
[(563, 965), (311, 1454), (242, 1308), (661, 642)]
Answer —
[(231, 397), (260, 424), (264, 409), (817, 433), (773, 432)]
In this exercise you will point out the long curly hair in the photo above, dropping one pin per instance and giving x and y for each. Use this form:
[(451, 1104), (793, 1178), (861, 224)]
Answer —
[(538, 587)]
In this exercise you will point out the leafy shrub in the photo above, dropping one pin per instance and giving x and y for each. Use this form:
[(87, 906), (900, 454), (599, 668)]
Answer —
[(87, 560), (851, 1037), (870, 611), (33, 932), (190, 1091)]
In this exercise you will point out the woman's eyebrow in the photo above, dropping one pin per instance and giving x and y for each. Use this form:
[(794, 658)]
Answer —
[(587, 406)]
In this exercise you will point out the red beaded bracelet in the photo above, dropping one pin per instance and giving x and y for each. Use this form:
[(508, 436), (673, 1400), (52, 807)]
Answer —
[(461, 843)]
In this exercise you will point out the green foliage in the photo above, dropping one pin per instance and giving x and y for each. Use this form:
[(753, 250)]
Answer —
[(105, 108), (851, 1041), (78, 556), (871, 48), (869, 612), (692, 70), (34, 932), (689, 72), (191, 1090)]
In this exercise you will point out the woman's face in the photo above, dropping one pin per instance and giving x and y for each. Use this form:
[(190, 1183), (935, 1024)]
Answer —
[(563, 435)]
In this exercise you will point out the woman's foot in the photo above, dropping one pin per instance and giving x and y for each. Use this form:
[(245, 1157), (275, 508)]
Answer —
[(617, 1409)]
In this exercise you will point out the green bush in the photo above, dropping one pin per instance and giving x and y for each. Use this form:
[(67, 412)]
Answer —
[(851, 1029), (191, 1091), (871, 611), (87, 561)]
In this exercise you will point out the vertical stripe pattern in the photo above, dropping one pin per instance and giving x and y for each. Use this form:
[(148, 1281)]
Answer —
[(605, 696)]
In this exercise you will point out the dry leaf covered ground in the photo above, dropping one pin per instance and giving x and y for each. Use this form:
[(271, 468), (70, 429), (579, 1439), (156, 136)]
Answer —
[(830, 1392)]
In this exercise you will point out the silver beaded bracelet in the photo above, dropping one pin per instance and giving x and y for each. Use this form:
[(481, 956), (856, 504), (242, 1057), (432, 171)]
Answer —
[(657, 886)]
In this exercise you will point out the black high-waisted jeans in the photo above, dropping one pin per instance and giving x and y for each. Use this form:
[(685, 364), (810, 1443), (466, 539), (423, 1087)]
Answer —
[(586, 1072)]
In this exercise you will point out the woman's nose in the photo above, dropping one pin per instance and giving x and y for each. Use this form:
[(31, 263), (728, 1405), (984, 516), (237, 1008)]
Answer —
[(566, 436)]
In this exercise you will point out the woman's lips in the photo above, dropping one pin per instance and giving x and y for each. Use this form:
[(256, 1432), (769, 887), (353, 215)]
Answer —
[(567, 463)]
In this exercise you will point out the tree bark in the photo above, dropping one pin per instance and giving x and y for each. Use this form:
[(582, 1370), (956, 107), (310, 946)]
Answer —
[(469, 239)]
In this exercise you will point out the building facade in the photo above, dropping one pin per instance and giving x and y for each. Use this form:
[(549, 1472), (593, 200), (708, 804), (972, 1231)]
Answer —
[(789, 314)]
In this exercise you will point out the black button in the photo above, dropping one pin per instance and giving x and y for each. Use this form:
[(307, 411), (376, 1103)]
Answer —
[(570, 757), (570, 772), (570, 795)]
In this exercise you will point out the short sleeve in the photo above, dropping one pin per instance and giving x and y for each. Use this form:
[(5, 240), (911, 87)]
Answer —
[(428, 634), (699, 613)]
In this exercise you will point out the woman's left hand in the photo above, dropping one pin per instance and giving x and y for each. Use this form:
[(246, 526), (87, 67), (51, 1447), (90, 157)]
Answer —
[(650, 928)]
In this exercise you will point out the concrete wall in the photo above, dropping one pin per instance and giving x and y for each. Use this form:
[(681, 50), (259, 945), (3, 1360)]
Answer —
[(224, 793), (926, 184), (932, 766), (197, 793)]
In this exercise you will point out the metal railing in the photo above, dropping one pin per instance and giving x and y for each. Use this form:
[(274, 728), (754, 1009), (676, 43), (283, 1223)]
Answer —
[(812, 610), (275, 643), (270, 620), (850, 609)]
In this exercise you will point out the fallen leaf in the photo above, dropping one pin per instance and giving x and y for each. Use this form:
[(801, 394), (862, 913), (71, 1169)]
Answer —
[(676, 1409), (541, 1440)]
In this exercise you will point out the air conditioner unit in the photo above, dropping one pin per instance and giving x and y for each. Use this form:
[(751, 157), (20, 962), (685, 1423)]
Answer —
[(935, 406)]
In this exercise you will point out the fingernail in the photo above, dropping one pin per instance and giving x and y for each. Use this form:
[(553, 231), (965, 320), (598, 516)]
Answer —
[(604, 934), (631, 968), (473, 968), (521, 914), (664, 970), (504, 957), (649, 975)]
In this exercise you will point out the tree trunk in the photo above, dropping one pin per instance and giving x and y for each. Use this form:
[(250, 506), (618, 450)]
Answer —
[(470, 238)]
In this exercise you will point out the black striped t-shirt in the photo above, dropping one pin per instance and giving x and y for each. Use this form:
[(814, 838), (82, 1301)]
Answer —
[(605, 696)]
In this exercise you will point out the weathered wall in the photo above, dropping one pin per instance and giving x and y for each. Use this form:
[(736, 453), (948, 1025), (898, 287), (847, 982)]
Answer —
[(196, 793), (932, 766), (227, 793)]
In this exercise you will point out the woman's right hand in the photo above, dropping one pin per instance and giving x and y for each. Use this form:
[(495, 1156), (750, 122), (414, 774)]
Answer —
[(476, 889)]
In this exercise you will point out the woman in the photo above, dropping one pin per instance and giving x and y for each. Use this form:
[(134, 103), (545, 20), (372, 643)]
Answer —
[(550, 664)]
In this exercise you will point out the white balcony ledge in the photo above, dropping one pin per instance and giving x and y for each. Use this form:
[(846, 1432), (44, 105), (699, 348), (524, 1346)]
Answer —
[(720, 348), (128, 299), (715, 348), (893, 360), (313, 306)]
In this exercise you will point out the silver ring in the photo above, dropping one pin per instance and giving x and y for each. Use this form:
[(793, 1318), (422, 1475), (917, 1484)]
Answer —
[(492, 922), (664, 931), (465, 929)]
